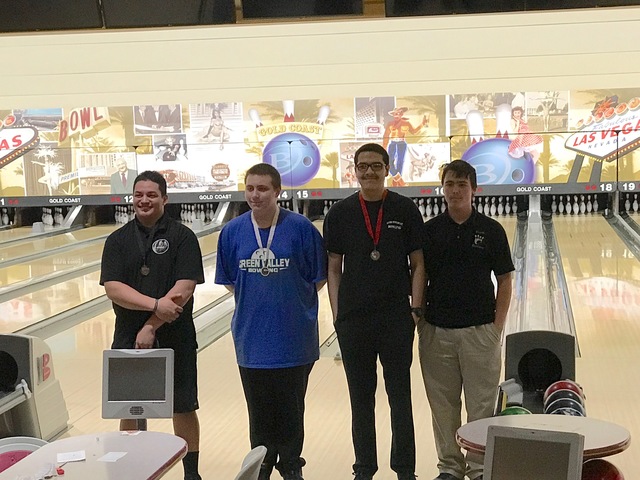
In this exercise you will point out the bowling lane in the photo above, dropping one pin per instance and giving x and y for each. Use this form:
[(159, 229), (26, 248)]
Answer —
[(70, 259), (21, 233), (603, 279), (42, 244), (31, 308)]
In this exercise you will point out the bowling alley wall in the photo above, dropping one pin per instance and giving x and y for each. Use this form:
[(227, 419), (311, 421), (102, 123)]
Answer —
[(544, 102)]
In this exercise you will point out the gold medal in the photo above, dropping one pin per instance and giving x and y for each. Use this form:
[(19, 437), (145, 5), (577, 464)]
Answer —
[(375, 255)]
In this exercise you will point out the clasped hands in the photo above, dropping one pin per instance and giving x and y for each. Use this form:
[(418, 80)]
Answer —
[(169, 307)]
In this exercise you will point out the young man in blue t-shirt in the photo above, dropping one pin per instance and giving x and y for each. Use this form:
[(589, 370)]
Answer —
[(274, 262)]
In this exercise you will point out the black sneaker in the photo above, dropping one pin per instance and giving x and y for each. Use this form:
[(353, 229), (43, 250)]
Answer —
[(446, 476), (363, 476), (192, 476), (293, 475)]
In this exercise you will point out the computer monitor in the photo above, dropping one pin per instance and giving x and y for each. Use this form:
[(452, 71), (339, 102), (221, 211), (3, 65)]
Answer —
[(528, 454), (137, 383)]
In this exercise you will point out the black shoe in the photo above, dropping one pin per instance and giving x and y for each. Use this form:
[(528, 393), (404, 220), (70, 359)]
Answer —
[(192, 476), (293, 475), (446, 476), (363, 476), (407, 476)]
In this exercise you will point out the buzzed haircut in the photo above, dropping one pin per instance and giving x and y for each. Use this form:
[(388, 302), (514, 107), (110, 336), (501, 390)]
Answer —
[(461, 169), (155, 177), (372, 147), (268, 170)]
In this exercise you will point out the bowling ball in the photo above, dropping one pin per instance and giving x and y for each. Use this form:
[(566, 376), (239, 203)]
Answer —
[(599, 469), (563, 385), (558, 394), (295, 156), (494, 165), (572, 412), (564, 403), (515, 410)]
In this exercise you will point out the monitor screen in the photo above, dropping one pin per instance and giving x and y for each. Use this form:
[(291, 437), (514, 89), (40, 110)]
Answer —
[(137, 379), (529, 454), (137, 383)]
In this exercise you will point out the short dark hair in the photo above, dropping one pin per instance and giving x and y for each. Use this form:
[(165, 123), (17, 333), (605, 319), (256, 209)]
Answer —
[(461, 169), (155, 177), (372, 147), (265, 169)]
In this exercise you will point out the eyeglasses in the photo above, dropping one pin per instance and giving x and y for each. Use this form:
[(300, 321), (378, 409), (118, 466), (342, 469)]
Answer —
[(375, 166)]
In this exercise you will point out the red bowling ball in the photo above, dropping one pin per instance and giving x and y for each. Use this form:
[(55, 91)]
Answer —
[(562, 385), (599, 469)]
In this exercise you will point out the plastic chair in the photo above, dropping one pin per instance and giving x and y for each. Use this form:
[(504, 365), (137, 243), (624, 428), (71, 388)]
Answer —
[(14, 449), (251, 464)]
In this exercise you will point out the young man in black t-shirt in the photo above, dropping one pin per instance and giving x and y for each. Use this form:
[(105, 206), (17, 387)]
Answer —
[(376, 235), (459, 340), (150, 268)]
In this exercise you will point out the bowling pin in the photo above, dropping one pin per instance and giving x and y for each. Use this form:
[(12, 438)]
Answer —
[(255, 116), (507, 206), (323, 113), (288, 106), (428, 210), (595, 204), (583, 206), (503, 120), (561, 205), (589, 204), (554, 205), (635, 202), (493, 210), (326, 207), (515, 205), (475, 123), (627, 203), (436, 209), (576, 205), (500, 206), (421, 207)]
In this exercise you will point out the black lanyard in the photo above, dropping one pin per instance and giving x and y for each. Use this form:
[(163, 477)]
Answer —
[(144, 250)]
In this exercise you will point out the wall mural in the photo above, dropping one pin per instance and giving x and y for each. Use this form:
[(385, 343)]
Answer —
[(519, 142)]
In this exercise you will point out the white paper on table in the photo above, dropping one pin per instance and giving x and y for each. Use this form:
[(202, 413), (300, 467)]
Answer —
[(112, 457), (71, 457)]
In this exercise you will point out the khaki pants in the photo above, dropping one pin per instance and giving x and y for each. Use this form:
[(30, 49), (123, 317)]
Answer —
[(453, 359)]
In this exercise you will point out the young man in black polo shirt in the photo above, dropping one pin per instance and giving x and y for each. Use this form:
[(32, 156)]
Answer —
[(376, 235), (459, 343), (150, 268)]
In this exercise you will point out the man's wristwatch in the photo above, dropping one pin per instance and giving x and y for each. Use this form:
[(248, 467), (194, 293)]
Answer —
[(417, 311)]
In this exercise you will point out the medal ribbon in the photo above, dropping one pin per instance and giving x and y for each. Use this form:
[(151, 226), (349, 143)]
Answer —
[(145, 250), (367, 220), (272, 232)]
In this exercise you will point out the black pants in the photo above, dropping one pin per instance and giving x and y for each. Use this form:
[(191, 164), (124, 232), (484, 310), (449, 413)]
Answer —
[(364, 337), (275, 400)]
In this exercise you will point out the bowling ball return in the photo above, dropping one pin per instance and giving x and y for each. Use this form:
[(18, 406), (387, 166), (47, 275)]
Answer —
[(534, 360), (31, 400)]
